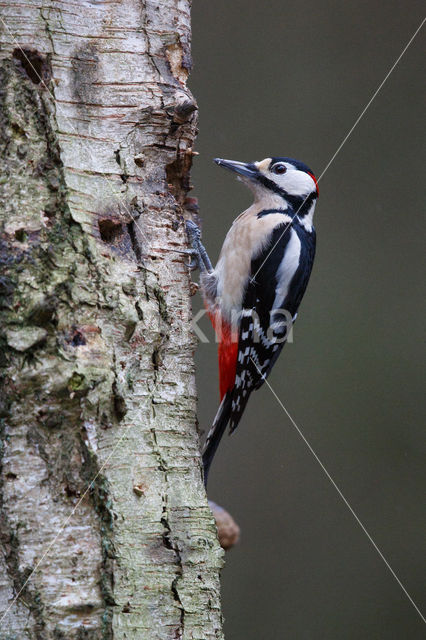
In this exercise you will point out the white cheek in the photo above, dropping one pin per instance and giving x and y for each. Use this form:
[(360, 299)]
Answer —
[(297, 183)]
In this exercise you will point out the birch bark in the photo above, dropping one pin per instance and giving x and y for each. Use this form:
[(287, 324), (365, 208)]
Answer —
[(105, 530)]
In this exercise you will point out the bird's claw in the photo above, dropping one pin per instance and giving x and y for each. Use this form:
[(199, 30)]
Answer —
[(194, 258), (193, 265)]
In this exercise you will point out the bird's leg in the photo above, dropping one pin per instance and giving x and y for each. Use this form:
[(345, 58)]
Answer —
[(202, 260)]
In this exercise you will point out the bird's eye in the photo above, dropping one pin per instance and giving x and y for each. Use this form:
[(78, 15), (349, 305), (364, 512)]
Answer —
[(279, 168)]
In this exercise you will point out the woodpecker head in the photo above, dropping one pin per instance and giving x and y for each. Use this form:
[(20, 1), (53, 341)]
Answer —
[(287, 179)]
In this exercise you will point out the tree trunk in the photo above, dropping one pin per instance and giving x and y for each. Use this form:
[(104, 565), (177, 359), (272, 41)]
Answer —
[(105, 530)]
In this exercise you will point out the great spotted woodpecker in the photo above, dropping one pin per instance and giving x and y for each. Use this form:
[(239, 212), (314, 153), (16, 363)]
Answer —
[(253, 294)]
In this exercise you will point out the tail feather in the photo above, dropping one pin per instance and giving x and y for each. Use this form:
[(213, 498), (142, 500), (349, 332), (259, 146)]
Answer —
[(216, 432)]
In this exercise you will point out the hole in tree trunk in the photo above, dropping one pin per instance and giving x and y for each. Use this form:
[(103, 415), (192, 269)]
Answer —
[(35, 65), (21, 235), (111, 231)]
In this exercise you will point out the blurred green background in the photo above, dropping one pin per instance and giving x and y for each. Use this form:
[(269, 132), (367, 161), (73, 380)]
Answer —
[(282, 78)]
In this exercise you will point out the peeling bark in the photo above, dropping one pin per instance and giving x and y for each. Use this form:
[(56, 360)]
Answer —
[(99, 462)]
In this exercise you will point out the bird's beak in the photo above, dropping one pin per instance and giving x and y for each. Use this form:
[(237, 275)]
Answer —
[(246, 169)]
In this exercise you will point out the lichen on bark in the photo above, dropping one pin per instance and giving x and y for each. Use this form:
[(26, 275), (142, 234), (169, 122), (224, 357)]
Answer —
[(100, 460)]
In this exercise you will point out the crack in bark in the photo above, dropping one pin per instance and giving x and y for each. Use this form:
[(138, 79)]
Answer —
[(131, 228), (168, 541), (173, 546), (101, 499)]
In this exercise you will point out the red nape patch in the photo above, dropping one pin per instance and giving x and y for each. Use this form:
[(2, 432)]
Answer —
[(315, 180), (227, 353)]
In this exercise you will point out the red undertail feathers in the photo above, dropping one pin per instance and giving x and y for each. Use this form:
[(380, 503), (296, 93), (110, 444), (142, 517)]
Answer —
[(227, 352)]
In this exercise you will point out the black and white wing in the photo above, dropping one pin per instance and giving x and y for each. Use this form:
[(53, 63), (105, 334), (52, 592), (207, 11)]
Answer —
[(279, 279)]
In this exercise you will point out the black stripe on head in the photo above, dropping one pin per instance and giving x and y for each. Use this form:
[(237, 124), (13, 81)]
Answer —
[(270, 184), (300, 204)]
